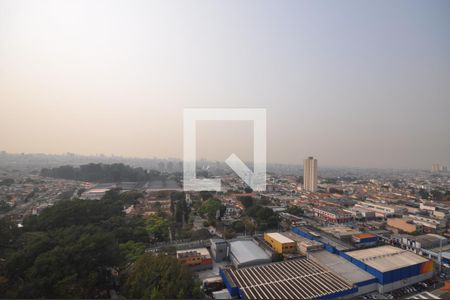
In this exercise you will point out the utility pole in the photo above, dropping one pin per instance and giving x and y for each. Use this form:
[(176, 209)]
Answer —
[(440, 256)]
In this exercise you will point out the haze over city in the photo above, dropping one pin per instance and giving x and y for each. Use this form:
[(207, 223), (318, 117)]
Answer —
[(248, 150), (353, 83)]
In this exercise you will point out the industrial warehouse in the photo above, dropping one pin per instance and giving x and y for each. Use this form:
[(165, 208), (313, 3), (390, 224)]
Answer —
[(321, 269), (364, 281), (246, 253), (393, 267), (294, 279)]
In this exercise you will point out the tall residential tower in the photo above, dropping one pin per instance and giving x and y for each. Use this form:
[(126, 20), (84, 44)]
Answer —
[(310, 174)]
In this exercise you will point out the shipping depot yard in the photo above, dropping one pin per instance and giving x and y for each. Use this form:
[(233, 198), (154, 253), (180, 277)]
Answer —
[(340, 234)]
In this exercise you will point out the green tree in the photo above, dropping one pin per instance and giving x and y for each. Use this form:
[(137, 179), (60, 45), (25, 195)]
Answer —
[(247, 201), (65, 263), (249, 225), (182, 212), (73, 212), (160, 277), (205, 195), (265, 217), (4, 206), (423, 194), (68, 250), (158, 226), (7, 181), (229, 233), (209, 208), (238, 226), (295, 210), (131, 250), (200, 234)]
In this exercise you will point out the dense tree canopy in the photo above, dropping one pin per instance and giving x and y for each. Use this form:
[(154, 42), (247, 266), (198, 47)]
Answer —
[(158, 227), (73, 212), (295, 210), (74, 248), (101, 173), (132, 250), (7, 181), (209, 208), (247, 201), (66, 262), (160, 276), (265, 217), (4, 206), (71, 248)]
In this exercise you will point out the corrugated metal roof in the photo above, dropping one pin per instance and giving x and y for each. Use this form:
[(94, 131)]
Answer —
[(340, 266), (293, 279), (247, 251), (387, 258)]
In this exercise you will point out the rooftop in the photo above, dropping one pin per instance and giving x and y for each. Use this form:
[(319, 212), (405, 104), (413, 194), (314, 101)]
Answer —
[(332, 210), (340, 230), (297, 238), (293, 279), (364, 235), (247, 250), (193, 252), (279, 237), (387, 258), (429, 238), (340, 266)]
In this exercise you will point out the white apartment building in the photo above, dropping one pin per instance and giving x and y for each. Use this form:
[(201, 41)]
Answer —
[(310, 174)]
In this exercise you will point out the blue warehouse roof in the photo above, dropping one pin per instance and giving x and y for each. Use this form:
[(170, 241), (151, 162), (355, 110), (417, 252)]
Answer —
[(293, 279)]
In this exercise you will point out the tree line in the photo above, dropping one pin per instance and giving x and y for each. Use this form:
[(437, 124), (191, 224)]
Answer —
[(102, 173)]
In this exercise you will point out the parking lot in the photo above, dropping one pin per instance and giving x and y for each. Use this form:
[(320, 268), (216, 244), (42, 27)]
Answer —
[(406, 292)]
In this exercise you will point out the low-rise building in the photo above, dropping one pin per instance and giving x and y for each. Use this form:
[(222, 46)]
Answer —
[(361, 213), (382, 210), (425, 241), (94, 194), (332, 214), (364, 239), (429, 224), (304, 245), (292, 279), (405, 225), (219, 249), (341, 232), (393, 267), (441, 214), (197, 259), (244, 253), (427, 206), (364, 281), (280, 243)]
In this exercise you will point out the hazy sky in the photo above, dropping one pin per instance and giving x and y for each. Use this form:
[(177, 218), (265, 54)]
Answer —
[(354, 83)]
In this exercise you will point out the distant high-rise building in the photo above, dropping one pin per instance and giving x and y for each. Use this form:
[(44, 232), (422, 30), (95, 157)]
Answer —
[(435, 168), (310, 174)]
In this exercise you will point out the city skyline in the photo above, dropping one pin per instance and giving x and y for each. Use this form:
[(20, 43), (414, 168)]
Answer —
[(202, 149), (442, 166)]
